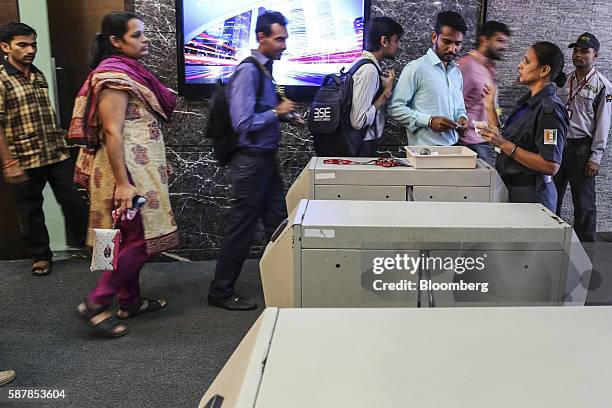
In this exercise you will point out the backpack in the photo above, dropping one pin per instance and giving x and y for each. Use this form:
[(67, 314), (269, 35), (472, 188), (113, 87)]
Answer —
[(329, 120), (219, 128)]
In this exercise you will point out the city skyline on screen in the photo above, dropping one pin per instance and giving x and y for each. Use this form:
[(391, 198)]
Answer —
[(324, 36)]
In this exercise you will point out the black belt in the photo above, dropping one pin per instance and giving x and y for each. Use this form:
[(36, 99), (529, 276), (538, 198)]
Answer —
[(247, 151), (580, 141), (520, 180)]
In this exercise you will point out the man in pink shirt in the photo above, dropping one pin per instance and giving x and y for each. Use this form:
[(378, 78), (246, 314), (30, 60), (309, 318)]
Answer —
[(478, 72)]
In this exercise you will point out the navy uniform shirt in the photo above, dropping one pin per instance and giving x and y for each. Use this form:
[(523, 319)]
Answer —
[(539, 124)]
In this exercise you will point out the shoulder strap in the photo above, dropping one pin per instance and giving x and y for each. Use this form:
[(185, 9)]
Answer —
[(262, 70), (360, 63)]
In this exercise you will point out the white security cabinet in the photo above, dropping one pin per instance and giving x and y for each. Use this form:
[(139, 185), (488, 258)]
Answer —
[(321, 181), (427, 358), (337, 253)]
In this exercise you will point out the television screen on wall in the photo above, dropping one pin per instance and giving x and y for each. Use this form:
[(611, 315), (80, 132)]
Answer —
[(215, 35)]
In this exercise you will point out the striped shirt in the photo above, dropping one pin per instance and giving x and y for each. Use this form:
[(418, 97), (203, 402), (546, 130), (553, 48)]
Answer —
[(28, 120), (366, 83)]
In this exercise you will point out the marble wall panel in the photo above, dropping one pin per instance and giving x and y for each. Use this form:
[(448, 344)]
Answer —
[(163, 59), (158, 15)]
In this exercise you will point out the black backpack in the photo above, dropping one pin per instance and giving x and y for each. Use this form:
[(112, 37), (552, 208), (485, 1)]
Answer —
[(329, 120), (219, 127)]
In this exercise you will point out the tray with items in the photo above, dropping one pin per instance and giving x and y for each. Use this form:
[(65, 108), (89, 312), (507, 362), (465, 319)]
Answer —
[(440, 157)]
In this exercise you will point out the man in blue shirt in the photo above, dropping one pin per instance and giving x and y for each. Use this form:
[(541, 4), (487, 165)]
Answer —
[(257, 188), (428, 98)]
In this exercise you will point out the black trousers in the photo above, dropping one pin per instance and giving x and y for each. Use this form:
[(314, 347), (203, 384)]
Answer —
[(257, 193), (575, 157), (368, 149), (29, 198)]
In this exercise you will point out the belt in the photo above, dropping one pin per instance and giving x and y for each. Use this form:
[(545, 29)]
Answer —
[(579, 141), (524, 180), (247, 151), (520, 180)]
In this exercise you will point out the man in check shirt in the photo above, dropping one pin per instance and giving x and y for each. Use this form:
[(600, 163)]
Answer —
[(33, 149), (588, 99)]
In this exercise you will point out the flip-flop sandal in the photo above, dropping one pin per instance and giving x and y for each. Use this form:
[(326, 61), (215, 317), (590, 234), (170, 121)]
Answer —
[(106, 327), (41, 268), (152, 306)]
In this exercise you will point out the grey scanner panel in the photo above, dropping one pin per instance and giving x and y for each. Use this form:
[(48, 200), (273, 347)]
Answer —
[(450, 193), (370, 175), (427, 358), (326, 251), (320, 181), (529, 278), (353, 192)]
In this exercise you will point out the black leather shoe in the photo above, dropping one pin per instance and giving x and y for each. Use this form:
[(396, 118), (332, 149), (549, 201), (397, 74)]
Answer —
[(233, 303)]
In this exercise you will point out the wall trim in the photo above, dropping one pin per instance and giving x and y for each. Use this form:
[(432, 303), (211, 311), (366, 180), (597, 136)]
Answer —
[(483, 14)]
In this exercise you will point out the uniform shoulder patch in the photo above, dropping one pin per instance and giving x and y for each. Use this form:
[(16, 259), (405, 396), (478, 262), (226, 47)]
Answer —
[(549, 109), (550, 137)]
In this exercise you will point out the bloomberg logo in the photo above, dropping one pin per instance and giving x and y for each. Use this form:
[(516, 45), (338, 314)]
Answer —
[(322, 114)]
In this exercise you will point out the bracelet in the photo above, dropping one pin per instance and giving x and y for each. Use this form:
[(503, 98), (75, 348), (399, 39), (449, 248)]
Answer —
[(513, 149), (10, 164)]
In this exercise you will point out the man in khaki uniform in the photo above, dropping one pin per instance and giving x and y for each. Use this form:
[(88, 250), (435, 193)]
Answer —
[(587, 96)]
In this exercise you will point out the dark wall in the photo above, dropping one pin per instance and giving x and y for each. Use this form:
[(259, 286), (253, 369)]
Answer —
[(200, 189)]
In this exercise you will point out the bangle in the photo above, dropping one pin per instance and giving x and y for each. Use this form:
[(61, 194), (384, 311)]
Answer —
[(429, 123), (10, 164), (512, 151), (275, 113)]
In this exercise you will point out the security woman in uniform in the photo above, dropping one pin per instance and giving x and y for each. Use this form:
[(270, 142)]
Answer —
[(532, 139)]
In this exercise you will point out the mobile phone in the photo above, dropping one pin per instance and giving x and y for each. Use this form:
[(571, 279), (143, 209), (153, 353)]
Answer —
[(137, 202)]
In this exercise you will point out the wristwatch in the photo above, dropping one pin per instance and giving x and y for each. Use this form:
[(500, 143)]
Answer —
[(275, 113)]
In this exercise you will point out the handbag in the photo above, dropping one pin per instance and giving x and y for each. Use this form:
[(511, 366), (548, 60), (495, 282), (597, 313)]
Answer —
[(105, 252), (106, 248)]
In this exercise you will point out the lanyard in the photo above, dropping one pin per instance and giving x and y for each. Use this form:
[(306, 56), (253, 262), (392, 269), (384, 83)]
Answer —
[(517, 114), (382, 161), (585, 81)]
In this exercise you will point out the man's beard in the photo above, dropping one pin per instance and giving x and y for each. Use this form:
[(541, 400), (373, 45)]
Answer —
[(494, 56)]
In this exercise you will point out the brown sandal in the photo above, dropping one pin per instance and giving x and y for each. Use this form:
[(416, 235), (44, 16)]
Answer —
[(41, 268), (152, 305)]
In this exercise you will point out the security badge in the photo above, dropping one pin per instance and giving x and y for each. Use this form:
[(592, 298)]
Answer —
[(550, 137)]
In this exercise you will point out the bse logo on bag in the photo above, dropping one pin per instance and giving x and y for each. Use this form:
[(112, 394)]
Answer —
[(322, 114)]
